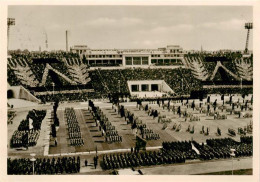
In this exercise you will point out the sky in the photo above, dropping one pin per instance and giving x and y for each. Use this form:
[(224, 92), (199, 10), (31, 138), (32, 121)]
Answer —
[(130, 27)]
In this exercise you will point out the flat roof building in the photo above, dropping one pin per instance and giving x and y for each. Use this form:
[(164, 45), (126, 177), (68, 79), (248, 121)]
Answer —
[(171, 55)]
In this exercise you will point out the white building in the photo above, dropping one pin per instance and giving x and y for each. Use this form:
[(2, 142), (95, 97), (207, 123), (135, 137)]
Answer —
[(172, 55)]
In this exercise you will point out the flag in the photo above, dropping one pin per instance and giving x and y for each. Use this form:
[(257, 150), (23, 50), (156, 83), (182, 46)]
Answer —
[(195, 149), (35, 113), (30, 124)]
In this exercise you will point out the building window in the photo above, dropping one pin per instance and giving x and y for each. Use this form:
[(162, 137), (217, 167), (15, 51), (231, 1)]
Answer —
[(173, 61), (144, 60), (166, 61), (98, 62), (128, 60), (154, 87), (91, 62), (136, 61), (160, 61), (113, 62), (145, 87), (135, 88), (119, 61), (154, 61)]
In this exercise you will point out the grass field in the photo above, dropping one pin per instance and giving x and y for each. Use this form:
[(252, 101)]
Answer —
[(93, 138)]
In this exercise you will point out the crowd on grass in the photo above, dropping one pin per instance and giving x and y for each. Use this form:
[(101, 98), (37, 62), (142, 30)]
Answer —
[(136, 122), (106, 128), (43, 166), (179, 152), (75, 136), (28, 130), (220, 148), (142, 158)]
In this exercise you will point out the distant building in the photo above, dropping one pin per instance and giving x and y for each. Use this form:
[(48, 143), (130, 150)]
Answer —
[(171, 55)]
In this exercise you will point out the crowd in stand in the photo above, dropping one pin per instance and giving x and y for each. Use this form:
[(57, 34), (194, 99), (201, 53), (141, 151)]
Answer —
[(228, 58), (80, 97), (73, 128), (28, 133), (23, 166), (38, 68), (182, 83), (228, 55), (11, 77), (108, 82), (43, 55)]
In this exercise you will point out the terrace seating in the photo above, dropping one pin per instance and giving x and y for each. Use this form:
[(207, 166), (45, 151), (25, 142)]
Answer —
[(109, 82), (78, 70), (22, 72)]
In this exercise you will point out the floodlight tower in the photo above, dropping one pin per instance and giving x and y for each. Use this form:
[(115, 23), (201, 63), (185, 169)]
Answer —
[(10, 22), (248, 26), (67, 44)]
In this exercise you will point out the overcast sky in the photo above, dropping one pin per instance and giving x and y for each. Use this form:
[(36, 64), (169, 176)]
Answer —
[(212, 27)]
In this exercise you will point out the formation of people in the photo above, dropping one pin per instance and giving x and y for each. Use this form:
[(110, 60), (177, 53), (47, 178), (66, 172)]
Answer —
[(215, 109), (182, 146), (73, 128), (220, 148), (106, 128), (60, 165), (142, 158), (136, 122), (28, 131)]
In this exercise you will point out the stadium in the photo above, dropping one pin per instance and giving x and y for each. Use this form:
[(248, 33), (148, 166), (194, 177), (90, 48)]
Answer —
[(129, 111)]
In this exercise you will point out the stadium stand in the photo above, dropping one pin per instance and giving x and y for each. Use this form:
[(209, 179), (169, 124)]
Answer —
[(69, 72)]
